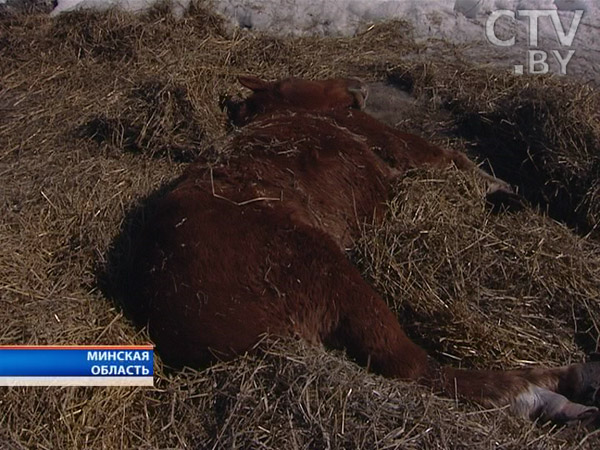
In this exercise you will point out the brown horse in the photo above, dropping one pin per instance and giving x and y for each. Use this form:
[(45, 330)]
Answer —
[(256, 246)]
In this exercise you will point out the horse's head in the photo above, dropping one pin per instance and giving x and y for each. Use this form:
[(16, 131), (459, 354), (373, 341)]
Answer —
[(294, 94)]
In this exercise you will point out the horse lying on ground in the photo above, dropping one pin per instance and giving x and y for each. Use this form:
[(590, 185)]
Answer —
[(257, 245)]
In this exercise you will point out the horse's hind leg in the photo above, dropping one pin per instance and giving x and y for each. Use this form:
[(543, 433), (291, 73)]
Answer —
[(369, 331), (371, 334), (561, 395)]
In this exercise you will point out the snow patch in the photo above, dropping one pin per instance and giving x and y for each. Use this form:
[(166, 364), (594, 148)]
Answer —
[(178, 7), (456, 21)]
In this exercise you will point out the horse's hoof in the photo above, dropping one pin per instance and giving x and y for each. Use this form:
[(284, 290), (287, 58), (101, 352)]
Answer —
[(550, 406)]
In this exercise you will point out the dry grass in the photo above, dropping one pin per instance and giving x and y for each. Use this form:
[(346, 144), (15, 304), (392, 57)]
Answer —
[(541, 135), (97, 112), (483, 290)]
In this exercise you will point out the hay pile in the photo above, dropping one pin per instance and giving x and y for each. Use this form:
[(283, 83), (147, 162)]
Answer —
[(542, 136), (98, 111)]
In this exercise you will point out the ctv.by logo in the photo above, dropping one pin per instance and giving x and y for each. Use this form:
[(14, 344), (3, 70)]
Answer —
[(537, 60)]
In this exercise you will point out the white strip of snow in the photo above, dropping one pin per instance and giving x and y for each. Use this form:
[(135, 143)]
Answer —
[(457, 21)]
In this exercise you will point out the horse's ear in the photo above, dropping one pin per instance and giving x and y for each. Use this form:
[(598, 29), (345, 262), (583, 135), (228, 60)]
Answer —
[(254, 83), (359, 91)]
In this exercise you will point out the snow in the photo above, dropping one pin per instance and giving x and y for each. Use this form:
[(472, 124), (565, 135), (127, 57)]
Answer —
[(178, 7), (461, 22)]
